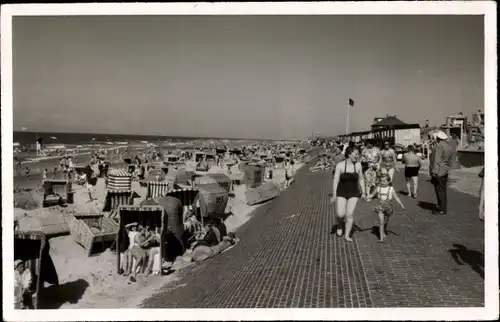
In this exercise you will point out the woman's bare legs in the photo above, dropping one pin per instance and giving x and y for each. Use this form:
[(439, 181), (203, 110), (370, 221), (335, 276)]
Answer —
[(136, 264), (130, 261), (341, 205), (351, 206)]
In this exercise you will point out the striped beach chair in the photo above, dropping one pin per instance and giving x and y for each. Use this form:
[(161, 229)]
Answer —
[(119, 179), (150, 215), (157, 189), (115, 198), (188, 197)]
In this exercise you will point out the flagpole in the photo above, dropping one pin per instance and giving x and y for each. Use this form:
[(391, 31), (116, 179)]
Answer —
[(347, 121)]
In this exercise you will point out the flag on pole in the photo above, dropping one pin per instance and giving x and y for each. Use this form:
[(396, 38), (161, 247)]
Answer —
[(351, 102)]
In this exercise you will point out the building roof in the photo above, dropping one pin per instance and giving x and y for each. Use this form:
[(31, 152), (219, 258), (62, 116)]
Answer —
[(403, 126), (389, 121)]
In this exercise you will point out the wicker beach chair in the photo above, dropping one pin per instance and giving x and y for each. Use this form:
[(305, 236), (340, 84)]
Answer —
[(89, 229), (32, 248)]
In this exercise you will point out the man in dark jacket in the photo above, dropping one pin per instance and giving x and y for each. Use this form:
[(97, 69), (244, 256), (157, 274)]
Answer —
[(440, 164)]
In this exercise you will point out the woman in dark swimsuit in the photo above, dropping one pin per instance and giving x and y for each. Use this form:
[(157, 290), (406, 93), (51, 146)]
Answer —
[(348, 180)]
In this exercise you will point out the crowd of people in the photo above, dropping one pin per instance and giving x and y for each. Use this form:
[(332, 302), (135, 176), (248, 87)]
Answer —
[(365, 170)]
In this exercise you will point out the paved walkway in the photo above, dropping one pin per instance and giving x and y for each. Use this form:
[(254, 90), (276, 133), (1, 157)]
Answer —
[(288, 258)]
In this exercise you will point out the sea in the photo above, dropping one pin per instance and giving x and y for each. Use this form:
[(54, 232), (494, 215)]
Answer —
[(51, 138), (25, 143)]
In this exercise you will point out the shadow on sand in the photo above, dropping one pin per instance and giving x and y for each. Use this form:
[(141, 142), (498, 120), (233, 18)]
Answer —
[(54, 296), (462, 255)]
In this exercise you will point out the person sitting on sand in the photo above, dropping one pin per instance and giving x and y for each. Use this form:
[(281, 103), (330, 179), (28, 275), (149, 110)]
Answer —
[(81, 178), (212, 236), (203, 252), (321, 165)]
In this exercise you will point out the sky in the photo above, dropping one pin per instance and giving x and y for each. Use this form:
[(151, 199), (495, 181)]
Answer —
[(269, 77)]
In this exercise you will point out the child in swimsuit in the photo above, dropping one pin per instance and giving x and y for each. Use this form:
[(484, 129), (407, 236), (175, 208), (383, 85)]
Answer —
[(384, 208)]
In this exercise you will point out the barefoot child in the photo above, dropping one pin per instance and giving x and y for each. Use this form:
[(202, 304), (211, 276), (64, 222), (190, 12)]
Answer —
[(385, 193)]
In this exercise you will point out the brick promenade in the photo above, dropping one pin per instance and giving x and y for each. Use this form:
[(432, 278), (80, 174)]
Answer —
[(288, 258)]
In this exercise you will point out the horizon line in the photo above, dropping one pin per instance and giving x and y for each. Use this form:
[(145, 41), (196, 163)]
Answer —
[(161, 136)]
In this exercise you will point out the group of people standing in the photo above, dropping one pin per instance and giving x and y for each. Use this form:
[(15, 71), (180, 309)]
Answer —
[(364, 174), (368, 171)]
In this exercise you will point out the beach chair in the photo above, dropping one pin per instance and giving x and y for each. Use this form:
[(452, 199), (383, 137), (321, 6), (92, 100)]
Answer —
[(280, 161), (254, 175), (218, 178), (151, 215), (57, 192), (115, 198), (157, 189), (119, 179), (188, 197), (88, 229), (32, 248), (213, 199)]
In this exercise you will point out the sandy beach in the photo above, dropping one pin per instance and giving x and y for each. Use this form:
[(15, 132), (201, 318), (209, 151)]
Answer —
[(91, 281)]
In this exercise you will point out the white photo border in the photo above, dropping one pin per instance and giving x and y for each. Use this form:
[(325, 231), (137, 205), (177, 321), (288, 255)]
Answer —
[(486, 8)]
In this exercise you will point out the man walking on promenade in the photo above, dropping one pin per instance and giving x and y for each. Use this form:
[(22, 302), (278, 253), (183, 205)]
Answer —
[(440, 163)]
